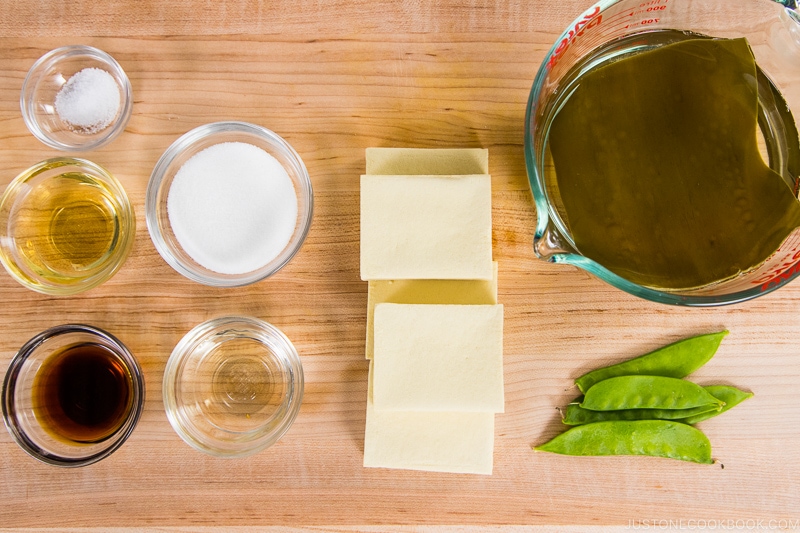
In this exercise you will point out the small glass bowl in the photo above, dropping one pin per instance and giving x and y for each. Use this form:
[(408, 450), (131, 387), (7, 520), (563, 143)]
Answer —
[(44, 81), (66, 226), (233, 386), (188, 145), (22, 396)]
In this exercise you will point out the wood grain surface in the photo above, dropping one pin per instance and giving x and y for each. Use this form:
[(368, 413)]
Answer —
[(334, 78)]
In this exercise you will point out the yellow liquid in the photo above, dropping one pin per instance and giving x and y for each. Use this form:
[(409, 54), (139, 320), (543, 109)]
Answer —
[(68, 227)]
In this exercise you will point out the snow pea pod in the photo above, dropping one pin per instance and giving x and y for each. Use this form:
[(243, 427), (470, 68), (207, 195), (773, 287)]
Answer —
[(576, 415), (730, 395), (658, 438), (647, 392), (675, 360)]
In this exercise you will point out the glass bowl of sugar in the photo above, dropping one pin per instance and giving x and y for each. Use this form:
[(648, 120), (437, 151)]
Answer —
[(76, 98), (229, 204)]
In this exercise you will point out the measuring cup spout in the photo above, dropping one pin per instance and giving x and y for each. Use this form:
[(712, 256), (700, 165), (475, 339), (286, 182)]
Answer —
[(550, 244)]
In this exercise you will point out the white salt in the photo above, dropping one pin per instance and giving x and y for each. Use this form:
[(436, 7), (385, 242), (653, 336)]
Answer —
[(232, 207), (89, 101)]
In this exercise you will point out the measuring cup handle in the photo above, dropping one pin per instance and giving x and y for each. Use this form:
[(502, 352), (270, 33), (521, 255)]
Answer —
[(792, 10), (785, 37)]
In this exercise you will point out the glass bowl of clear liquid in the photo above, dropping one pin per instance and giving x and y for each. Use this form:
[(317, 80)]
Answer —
[(614, 172), (233, 386)]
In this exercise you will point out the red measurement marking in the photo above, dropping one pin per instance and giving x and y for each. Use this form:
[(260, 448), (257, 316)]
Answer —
[(783, 276), (589, 20), (615, 16), (778, 273), (645, 22), (613, 28)]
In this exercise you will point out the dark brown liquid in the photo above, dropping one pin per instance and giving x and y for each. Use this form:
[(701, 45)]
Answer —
[(83, 393)]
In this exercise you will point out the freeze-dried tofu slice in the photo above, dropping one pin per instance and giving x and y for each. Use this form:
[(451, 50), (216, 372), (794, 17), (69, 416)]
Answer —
[(438, 442), (426, 227), (448, 161), (427, 291), (438, 358)]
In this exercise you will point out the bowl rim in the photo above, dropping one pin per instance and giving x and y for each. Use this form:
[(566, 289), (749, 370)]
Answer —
[(114, 263), (116, 440), (50, 59), (188, 141), (184, 351)]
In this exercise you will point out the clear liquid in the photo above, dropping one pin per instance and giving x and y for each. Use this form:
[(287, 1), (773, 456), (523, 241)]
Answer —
[(239, 384)]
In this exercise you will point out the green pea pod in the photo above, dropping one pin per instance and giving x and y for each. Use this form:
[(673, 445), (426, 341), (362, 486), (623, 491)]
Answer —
[(647, 392), (730, 395), (676, 360), (657, 438), (576, 415)]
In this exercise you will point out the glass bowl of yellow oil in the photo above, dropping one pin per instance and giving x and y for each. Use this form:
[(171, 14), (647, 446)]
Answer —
[(66, 226)]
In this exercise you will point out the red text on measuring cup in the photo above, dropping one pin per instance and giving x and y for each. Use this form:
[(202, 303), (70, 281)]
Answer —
[(589, 20)]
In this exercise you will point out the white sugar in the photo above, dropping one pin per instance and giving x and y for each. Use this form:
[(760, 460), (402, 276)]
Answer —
[(232, 207), (89, 101)]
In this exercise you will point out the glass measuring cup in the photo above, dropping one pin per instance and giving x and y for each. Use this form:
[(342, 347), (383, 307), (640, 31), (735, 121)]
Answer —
[(612, 29)]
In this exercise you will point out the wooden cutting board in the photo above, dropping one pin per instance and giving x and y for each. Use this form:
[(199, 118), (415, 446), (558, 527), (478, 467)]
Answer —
[(334, 78)]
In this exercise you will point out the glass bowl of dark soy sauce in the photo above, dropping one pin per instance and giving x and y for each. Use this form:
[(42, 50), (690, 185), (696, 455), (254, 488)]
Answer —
[(72, 395)]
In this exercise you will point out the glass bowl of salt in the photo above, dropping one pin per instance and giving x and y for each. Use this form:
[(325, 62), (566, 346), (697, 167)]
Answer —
[(229, 204), (76, 98)]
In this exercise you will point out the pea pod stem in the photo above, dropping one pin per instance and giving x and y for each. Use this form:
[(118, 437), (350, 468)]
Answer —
[(730, 395)]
